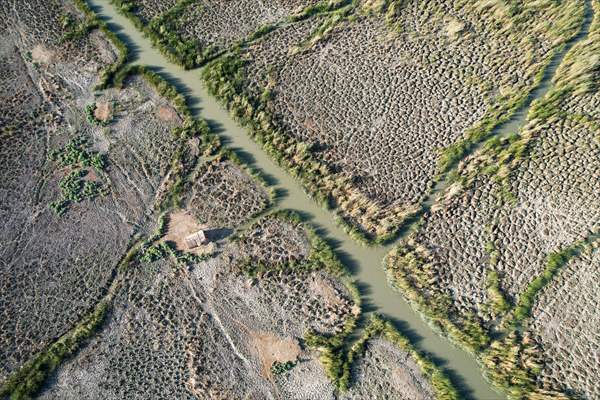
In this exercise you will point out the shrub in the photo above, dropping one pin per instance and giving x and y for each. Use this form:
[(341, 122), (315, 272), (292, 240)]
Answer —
[(155, 252), (76, 153), (279, 368)]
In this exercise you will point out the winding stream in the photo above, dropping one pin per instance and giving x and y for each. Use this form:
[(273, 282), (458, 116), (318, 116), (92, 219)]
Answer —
[(364, 262)]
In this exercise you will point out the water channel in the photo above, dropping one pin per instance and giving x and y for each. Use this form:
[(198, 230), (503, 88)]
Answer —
[(364, 262)]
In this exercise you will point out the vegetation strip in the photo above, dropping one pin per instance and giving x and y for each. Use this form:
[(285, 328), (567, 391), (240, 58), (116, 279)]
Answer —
[(189, 54), (378, 326)]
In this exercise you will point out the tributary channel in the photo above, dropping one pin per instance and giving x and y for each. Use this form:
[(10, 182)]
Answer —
[(365, 263)]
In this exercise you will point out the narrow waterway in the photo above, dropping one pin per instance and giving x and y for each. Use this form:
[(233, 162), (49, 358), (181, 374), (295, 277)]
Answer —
[(365, 263)]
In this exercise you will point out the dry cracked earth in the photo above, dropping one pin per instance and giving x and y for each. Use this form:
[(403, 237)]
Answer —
[(369, 103), (103, 179)]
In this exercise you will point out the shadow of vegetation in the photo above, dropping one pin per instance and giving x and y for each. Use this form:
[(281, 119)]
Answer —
[(193, 101), (132, 47)]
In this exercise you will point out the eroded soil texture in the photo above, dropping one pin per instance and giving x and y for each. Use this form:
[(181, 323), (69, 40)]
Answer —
[(80, 172), (513, 238), (369, 103), (105, 178), (211, 330)]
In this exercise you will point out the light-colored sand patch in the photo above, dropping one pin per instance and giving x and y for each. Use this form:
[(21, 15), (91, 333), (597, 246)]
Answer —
[(103, 111), (41, 54), (454, 28), (270, 348), (167, 114), (181, 224)]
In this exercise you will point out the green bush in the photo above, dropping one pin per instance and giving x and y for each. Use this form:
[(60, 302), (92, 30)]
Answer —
[(91, 117), (76, 153), (155, 252), (74, 190), (279, 368)]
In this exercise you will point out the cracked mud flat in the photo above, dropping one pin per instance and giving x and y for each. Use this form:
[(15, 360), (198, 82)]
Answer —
[(565, 320), (219, 25), (384, 369), (511, 229), (179, 326), (221, 328), (386, 100)]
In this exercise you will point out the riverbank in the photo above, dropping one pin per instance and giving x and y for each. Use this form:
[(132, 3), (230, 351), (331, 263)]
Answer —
[(364, 262)]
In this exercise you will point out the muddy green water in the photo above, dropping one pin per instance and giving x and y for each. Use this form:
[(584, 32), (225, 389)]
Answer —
[(365, 263)]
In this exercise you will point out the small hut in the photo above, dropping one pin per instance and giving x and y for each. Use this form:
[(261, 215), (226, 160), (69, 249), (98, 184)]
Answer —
[(196, 239)]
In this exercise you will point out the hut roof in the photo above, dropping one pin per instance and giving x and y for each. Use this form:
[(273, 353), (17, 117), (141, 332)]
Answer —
[(196, 239)]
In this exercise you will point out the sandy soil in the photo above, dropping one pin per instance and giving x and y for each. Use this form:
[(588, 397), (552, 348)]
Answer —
[(271, 348), (103, 111), (181, 224), (41, 54)]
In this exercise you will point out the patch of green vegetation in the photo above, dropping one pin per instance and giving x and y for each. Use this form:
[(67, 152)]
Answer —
[(279, 368), (26, 383), (75, 189), (76, 154), (66, 20), (155, 252), (512, 365), (332, 354), (332, 19), (499, 303), (76, 31)]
